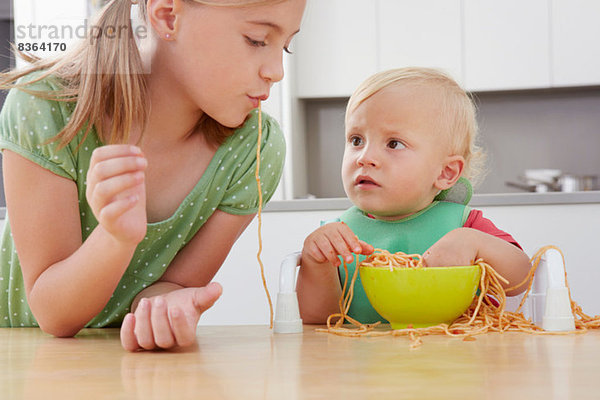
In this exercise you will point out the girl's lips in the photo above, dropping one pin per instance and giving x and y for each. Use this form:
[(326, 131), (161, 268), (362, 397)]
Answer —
[(256, 100)]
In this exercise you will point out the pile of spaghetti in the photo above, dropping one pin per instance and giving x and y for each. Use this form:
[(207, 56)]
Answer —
[(486, 314)]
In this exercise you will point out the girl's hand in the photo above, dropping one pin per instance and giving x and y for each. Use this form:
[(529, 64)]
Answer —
[(169, 320), (457, 247), (116, 191), (331, 240)]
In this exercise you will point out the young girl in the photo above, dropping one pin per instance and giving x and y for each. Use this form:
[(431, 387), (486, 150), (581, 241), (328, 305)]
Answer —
[(130, 174), (410, 136)]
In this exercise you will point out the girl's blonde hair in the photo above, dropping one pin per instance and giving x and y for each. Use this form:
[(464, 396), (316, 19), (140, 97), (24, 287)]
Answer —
[(459, 111), (105, 75)]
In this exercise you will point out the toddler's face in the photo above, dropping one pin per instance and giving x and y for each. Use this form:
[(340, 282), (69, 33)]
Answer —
[(394, 151)]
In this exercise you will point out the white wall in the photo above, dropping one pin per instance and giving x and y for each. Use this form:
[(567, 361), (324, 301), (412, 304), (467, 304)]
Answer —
[(573, 228)]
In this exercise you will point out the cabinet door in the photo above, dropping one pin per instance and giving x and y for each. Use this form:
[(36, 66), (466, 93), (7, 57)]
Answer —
[(575, 42), (336, 47), (423, 33), (506, 44)]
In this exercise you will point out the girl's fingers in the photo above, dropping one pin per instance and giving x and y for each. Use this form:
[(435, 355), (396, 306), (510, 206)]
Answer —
[(161, 327), (185, 335), (112, 160), (116, 166), (118, 207), (128, 339), (184, 328), (106, 191), (205, 297), (113, 151), (143, 328)]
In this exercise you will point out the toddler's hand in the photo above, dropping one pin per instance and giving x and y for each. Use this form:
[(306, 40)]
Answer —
[(169, 320), (116, 191), (331, 240), (457, 247)]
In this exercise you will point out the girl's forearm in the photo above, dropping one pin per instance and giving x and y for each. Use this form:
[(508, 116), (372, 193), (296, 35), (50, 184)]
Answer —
[(319, 291), (69, 293)]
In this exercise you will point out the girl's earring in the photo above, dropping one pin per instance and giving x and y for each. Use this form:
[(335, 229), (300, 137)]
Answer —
[(168, 36)]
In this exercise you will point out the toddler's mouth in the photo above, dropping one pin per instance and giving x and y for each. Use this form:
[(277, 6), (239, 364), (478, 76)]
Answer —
[(365, 181)]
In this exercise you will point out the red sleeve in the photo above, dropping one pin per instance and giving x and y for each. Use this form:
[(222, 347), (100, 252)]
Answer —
[(477, 221)]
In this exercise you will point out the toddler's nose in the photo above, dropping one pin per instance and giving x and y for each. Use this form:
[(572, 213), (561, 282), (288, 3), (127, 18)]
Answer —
[(367, 158)]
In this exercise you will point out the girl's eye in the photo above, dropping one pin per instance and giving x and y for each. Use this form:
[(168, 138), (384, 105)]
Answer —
[(395, 144), (356, 141), (255, 43)]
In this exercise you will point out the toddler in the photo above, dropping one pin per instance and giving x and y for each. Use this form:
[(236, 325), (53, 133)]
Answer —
[(409, 146)]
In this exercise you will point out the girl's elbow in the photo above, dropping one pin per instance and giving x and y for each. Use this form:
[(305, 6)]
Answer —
[(59, 330)]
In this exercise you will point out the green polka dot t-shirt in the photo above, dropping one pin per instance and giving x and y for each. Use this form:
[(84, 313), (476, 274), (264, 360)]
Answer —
[(229, 184)]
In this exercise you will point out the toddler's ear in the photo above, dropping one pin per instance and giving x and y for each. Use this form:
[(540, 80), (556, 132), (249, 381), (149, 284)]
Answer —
[(451, 170)]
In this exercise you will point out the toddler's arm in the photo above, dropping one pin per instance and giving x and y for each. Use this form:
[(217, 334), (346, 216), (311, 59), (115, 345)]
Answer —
[(318, 285), (463, 246)]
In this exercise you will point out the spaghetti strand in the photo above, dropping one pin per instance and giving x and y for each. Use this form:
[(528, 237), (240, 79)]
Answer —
[(260, 201)]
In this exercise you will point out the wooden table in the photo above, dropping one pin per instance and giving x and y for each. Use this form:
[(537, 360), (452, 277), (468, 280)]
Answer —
[(250, 362)]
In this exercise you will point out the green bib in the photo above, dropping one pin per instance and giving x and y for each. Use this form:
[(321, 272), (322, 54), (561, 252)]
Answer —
[(412, 235)]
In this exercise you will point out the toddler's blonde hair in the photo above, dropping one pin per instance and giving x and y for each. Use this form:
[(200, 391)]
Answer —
[(459, 112), (105, 75)]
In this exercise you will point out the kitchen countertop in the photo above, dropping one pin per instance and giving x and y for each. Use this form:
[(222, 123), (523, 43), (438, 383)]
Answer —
[(478, 200), (250, 362)]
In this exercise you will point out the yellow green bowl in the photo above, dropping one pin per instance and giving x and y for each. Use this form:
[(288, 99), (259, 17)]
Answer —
[(420, 297)]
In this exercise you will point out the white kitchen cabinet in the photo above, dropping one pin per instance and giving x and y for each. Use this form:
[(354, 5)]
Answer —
[(506, 44), (575, 42), (336, 48), (426, 33)]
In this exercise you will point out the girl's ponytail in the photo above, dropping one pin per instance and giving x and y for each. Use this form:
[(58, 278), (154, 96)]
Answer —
[(111, 78)]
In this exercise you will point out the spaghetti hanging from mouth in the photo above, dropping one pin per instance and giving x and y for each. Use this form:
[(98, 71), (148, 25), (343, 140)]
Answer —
[(260, 201)]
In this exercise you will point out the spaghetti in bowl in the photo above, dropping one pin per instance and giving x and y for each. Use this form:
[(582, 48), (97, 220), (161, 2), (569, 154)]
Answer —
[(420, 297)]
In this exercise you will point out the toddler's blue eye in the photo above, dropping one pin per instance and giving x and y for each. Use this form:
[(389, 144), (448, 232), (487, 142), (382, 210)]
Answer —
[(396, 144)]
